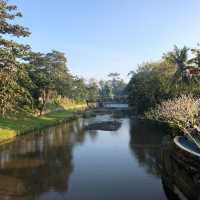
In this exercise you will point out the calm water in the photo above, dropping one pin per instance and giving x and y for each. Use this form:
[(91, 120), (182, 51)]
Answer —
[(66, 162)]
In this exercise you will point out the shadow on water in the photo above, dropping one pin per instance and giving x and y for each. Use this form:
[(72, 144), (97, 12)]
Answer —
[(180, 172), (135, 162), (156, 152), (145, 143)]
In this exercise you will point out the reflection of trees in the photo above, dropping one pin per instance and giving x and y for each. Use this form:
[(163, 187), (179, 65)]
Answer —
[(78, 131), (180, 172), (145, 141), (156, 152), (39, 163)]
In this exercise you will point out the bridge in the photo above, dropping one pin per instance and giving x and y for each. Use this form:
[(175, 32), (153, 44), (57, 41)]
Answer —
[(117, 102)]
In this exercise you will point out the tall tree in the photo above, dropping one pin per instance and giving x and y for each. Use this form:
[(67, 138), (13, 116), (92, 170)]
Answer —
[(41, 82), (178, 57), (117, 83), (79, 89), (50, 77), (59, 73), (149, 85), (12, 69), (92, 90)]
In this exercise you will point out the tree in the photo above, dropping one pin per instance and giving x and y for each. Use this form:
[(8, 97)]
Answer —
[(105, 89), (195, 60), (92, 90), (79, 89), (153, 83), (114, 76), (50, 77), (117, 84), (41, 81), (59, 73), (12, 68), (178, 57), (149, 86)]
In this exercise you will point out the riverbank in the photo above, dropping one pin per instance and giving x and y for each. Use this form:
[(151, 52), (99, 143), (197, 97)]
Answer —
[(23, 123)]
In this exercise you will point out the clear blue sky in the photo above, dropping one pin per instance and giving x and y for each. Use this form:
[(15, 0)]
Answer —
[(102, 36)]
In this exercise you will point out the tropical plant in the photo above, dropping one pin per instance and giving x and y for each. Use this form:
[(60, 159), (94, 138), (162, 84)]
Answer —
[(178, 57)]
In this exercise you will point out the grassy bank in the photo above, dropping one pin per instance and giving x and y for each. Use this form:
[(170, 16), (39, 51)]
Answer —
[(22, 123)]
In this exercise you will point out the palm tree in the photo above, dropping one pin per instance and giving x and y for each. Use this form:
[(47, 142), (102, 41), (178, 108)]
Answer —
[(179, 57), (196, 59), (195, 63)]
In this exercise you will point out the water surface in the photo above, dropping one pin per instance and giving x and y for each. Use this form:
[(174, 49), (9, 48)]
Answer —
[(66, 162)]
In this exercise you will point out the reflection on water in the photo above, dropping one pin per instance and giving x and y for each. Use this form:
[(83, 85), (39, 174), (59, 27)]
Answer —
[(145, 142), (39, 162), (66, 162), (180, 173)]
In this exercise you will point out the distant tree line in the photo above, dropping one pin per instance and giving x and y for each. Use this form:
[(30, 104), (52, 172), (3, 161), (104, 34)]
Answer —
[(114, 86)]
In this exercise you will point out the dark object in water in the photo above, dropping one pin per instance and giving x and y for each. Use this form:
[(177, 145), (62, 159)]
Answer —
[(104, 126), (89, 114), (185, 144)]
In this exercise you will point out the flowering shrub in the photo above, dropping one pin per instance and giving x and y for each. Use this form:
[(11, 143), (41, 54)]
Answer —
[(182, 111)]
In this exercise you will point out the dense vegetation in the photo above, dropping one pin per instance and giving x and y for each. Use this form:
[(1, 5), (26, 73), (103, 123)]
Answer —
[(175, 74), (29, 79), (169, 90), (115, 86), (33, 81)]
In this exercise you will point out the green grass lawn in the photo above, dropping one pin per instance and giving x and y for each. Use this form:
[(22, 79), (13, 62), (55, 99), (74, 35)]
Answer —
[(22, 122)]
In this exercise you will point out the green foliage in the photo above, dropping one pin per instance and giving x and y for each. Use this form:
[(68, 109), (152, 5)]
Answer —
[(149, 86), (173, 76), (22, 122), (12, 68), (50, 77), (92, 90), (115, 86), (178, 57), (196, 59), (79, 90), (33, 79)]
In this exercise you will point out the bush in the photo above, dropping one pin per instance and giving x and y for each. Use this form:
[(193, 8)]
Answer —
[(65, 102), (182, 112)]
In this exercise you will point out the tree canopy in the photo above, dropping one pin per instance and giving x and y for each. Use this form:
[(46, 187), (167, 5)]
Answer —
[(12, 69), (30, 80), (174, 75)]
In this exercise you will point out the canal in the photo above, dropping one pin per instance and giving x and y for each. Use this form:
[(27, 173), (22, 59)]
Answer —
[(68, 162)]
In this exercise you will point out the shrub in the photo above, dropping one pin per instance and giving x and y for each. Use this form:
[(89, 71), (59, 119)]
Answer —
[(65, 102), (182, 111)]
